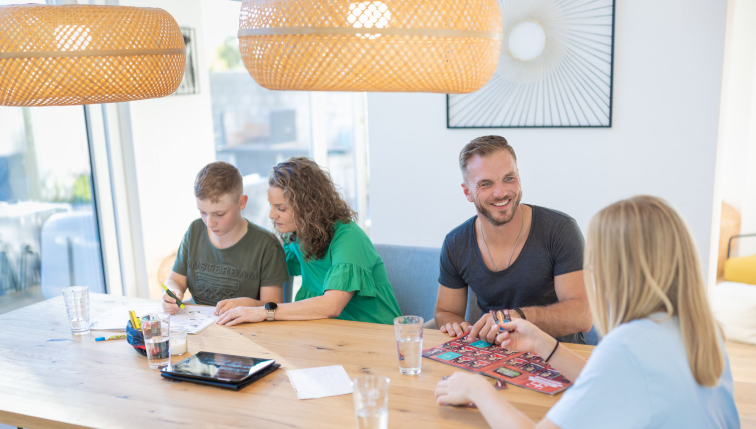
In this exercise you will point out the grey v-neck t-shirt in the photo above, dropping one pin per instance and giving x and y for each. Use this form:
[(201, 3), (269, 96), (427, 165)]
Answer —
[(553, 247)]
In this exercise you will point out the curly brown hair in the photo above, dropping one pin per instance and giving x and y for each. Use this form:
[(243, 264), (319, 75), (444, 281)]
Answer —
[(315, 203)]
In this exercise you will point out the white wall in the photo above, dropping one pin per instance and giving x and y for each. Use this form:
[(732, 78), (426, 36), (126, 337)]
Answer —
[(667, 75), (173, 139)]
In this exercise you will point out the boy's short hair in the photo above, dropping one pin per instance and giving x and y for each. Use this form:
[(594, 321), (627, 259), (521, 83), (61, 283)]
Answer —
[(483, 146), (217, 179)]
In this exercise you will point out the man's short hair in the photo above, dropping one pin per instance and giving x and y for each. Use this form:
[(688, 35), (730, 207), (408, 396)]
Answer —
[(483, 146), (216, 180)]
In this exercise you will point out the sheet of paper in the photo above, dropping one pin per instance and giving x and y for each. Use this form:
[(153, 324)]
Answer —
[(320, 382), (194, 318)]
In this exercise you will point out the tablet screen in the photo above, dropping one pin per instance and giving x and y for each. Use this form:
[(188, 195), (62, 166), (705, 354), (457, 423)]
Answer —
[(218, 366)]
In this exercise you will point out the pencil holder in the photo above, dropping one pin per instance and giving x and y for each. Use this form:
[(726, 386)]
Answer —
[(135, 338)]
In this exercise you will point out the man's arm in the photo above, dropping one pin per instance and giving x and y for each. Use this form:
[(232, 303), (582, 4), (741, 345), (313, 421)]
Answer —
[(570, 315), (451, 306)]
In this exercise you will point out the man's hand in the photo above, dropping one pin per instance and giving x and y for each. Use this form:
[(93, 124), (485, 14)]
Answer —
[(456, 329), (485, 329), (169, 304), (239, 315), (228, 304)]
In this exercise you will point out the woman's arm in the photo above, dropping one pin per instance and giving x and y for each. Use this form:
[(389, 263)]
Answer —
[(464, 388), (524, 336), (328, 306), (267, 294)]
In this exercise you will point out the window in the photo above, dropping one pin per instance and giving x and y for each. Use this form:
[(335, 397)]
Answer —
[(49, 236)]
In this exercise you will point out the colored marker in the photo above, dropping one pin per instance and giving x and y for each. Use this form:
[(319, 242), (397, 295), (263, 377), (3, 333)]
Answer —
[(114, 337), (168, 291), (135, 320)]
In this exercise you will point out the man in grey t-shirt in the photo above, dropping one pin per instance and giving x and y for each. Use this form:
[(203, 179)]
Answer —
[(523, 258)]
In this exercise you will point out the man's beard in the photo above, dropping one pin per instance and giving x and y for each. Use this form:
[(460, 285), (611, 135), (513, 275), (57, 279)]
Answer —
[(497, 222)]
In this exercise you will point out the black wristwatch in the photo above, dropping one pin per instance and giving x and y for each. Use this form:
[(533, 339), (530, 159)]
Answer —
[(271, 308)]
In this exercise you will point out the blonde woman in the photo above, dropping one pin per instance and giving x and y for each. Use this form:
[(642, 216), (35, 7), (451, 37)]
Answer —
[(662, 363)]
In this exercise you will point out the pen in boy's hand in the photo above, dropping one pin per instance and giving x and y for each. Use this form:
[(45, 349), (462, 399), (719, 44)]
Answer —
[(178, 301)]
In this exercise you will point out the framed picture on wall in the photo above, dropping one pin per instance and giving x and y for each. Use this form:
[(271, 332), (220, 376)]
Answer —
[(555, 69), (190, 82)]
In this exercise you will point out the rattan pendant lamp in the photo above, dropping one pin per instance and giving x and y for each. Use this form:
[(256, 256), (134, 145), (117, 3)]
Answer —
[(446, 46), (83, 54)]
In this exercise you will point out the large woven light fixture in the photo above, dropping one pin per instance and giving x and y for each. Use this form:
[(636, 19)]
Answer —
[(84, 54), (447, 46)]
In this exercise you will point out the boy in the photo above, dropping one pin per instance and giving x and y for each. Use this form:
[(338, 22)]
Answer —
[(224, 259)]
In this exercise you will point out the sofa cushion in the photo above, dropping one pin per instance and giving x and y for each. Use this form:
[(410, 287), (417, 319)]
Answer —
[(734, 307)]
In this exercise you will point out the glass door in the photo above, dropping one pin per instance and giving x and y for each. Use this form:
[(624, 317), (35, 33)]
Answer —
[(49, 235)]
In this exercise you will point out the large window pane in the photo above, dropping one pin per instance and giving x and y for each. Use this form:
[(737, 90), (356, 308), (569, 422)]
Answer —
[(48, 228), (256, 128)]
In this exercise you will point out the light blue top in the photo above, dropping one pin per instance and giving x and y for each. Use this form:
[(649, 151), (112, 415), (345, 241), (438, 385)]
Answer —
[(638, 377)]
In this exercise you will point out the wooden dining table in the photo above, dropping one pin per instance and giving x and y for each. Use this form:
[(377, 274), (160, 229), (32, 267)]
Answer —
[(50, 378)]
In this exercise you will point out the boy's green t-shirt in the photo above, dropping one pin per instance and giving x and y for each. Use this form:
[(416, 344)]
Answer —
[(214, 274)]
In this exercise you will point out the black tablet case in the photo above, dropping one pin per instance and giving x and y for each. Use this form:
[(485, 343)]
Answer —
[(231, 386)]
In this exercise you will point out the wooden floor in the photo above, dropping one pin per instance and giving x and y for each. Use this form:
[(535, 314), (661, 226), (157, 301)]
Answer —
[(743, 364)]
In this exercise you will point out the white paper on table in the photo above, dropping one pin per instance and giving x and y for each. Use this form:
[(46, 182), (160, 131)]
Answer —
[(320, 382), (194, 318)]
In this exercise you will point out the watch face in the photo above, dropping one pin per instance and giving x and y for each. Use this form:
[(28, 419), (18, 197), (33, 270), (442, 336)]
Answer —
[(270, 306)]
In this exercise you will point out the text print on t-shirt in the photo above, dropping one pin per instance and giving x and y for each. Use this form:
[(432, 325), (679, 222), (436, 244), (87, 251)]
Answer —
[(217, 282)]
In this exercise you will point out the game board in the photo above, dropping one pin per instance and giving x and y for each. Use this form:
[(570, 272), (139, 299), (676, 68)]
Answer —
[(519, 368)]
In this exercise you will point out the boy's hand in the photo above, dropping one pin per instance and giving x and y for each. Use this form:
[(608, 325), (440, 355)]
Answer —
[(228, 304), (456, 329), (239, 315), (169, 304)]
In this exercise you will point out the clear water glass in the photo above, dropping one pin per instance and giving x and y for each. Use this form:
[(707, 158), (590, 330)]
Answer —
[(371, 393), (156, 328), (409, 343), (77, 307)]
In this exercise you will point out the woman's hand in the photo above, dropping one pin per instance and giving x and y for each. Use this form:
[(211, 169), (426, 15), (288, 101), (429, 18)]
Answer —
[(523, 336), (462, 388), (228, 304), (239, 315), (169, 304)]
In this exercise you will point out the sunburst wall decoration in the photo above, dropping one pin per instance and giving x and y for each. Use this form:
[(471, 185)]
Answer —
[(555, 69)]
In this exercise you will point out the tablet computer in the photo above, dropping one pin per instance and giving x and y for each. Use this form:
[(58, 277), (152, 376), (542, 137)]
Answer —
[(218, 367)]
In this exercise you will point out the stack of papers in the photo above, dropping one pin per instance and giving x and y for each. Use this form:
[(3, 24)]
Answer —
[(194, 318), (320, 382)]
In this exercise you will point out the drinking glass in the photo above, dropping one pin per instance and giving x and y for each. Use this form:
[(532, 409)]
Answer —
[(77, 306), (409, 343), (178, 340), (156, 328), (371, 393)]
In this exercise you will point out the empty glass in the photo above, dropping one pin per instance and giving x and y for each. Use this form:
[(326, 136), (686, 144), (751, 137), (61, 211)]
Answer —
[(371, 393), (409, 343), (156, 328), (77, 306)]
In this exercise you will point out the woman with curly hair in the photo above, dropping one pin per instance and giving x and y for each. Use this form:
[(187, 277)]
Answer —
[(342, 275), (662, 363)]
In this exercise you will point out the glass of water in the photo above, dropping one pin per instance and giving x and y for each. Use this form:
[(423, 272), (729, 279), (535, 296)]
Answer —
[(371, 393), (77, 306), (409, 343), (156, 328)]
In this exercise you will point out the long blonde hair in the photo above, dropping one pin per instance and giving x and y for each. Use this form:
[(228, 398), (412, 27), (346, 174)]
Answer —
[(640, 259)]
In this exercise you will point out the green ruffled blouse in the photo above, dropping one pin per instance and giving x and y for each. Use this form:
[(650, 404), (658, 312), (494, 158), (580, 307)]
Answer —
[(350, 264)]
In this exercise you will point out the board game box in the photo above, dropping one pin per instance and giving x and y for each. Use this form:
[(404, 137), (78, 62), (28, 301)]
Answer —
[(519, 368)]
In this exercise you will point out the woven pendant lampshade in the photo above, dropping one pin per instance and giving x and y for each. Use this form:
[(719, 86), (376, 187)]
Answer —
[(84, 54), (447, 46)]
